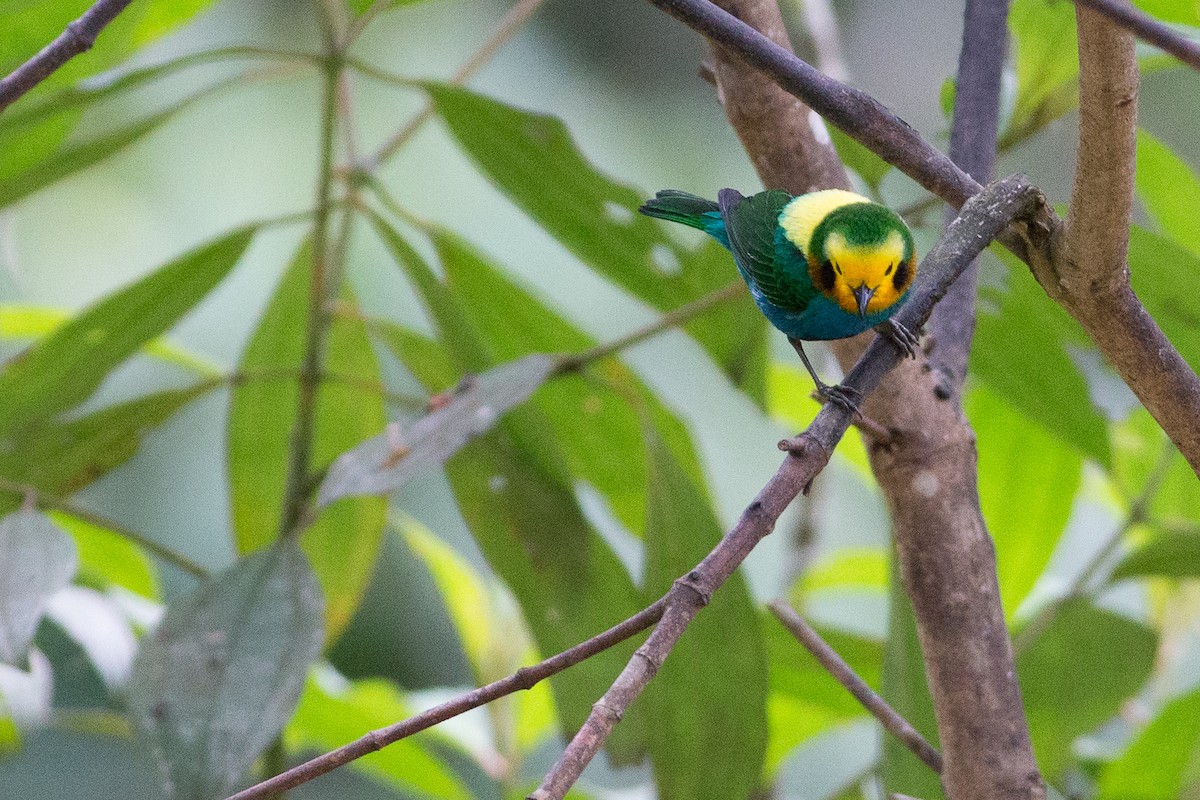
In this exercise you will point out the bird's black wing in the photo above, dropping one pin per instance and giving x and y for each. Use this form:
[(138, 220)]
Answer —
[(751, 223)]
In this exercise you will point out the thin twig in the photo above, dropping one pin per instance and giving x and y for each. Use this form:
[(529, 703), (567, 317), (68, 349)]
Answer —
[(828, 658), (1148, 29), (79, 37), (524, 678), (983, 217)]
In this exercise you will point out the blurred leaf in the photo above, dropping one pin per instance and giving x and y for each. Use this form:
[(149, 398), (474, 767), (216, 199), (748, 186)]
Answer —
[(39, 559), (1160, 271), (1162, 763), (217, 679), (862, 567), (1076, 674), (67, 367), (408, 346), (1183, 12), (533, 159), (528, 524), (905, 689), (1170, 191), (1027, 532), (361, 6), (946, 97), (870, 167), (1168, 555), (343, 541), (22, 321), (60, 458), (10, 736), (330, 717), (705, 710), (108, 559), (1020, 353), (386, 462)]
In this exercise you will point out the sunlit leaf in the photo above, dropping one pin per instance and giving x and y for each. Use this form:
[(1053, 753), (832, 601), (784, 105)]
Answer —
[(108, 559), (705, 710), (66, 368), (534, 160), (1170, 191), (215, 682), (1183, 12), (865, 568), (1162, 763), (386, 462), (344, 539), (38, 559), (1025, 533), (1021, 353), (1113, 652), (329, 716)]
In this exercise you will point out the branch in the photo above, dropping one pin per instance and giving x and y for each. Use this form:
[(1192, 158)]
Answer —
[(982, 218), (524, 678), (973, 134), (1148, 29), (79, 37), (828, 658)]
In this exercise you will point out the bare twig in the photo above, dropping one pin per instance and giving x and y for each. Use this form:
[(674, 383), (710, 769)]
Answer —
[(828, 658), (524, 678), (79, 37), (982, 218), (1148, 29)]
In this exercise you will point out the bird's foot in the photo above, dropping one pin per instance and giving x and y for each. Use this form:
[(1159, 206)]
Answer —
[(905, 340), (845, 397)]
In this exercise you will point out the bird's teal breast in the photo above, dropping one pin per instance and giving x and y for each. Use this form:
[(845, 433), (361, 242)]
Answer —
[(822, 319)]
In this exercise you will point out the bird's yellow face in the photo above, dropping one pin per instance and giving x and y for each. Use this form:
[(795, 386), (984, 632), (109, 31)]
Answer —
[(864, 279)]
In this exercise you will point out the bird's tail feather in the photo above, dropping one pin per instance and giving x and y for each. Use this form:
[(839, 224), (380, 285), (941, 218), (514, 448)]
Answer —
[(681, 207)]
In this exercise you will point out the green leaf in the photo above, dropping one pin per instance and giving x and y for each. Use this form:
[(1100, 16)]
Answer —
[(215, 682), (386, 462), (39, 559), (330, 715), (67, 367), (532, 158), (344, 539), (706, 708), (108, 559), (870, 167), (434, 366), (1027, 532), (1160, 271), (360, 6), (1168, 555), (1113, 652), (1182, 12), (1047, 60), (1162, 763), (1020, 352), (1170, 191)]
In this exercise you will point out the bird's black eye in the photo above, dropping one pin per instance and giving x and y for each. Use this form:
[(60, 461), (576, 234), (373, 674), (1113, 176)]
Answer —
[(900, 278), (888, 271), (825, 276)]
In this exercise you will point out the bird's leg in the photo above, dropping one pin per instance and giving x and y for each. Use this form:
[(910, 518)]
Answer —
[(904, 339), (844, 396)]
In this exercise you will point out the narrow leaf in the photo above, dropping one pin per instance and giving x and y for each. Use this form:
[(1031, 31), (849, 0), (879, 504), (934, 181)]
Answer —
[(37, 558), (386, 462), (215, 682), (67, 367)]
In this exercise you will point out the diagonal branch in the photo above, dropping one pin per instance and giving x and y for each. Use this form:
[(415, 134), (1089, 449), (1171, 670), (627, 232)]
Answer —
[(1148, 29), (836, 666), (79, 37), (982, 218)]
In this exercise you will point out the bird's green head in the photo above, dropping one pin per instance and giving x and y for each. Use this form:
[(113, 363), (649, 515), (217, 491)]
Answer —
[(861, 255)]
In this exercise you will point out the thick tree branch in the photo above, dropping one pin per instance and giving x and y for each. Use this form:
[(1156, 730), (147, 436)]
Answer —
[(828, 658), (1126, 334), (982, 218), (1148, 29), (973, 135), (79, 37)]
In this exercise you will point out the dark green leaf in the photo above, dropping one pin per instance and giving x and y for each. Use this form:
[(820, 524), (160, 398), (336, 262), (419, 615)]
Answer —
[(1162, 763), (1076, 674), (344, 539), (386, 462), (217, 679), (1169, 555), (1170, 191), (1025, 532), (38, 559), (533, 159), (67, 367), (1021, 354), (706, 708)]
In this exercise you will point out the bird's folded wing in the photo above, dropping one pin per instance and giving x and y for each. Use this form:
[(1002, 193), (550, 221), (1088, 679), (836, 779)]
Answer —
[(751, 223)]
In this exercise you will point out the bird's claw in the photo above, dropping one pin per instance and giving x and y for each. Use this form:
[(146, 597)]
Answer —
[(904, 339), (845, 397)]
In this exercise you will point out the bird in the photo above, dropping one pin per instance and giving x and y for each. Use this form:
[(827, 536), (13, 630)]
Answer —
[(824, 265)]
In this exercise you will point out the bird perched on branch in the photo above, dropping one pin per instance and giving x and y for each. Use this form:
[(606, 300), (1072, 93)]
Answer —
[(824, 265)]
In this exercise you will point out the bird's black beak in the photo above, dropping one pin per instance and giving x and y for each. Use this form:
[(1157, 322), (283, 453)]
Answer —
[(863, 295)]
